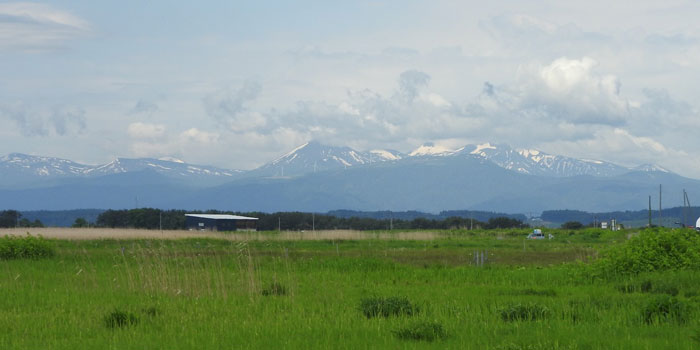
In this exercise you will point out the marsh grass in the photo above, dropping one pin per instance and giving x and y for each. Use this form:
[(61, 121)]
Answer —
[(208, 293), (524, 312), (549, 292), (666, 309), (119, 319), (275, 288), (421, 331), (387, 306)]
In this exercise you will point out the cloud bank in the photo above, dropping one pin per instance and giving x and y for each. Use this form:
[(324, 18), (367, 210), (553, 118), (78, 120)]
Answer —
[(38, 27)]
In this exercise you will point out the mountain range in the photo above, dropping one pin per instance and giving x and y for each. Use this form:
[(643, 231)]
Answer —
[(317, 177)]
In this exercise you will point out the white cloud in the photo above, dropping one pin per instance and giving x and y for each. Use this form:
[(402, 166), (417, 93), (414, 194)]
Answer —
[(571, 90), (141, 130), (198, 136), (37, 27)]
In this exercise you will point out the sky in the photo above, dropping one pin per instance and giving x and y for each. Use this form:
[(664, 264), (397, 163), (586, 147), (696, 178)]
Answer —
[(237, 84)]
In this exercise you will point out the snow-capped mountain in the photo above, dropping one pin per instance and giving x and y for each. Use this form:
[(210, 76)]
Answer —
[(484, 177), (534, 162), (314, 157), (23, 165), (18, 169), (171, 166), (430, 149)]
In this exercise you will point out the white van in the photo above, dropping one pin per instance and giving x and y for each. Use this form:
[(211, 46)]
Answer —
[(536, 234)]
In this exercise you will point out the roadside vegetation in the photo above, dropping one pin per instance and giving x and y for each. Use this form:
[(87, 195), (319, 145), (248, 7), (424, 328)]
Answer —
[(583, 289)]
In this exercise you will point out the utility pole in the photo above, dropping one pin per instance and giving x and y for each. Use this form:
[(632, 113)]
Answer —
[(313, 222), (683, 212), (659, 205), (279, 224), (690, 209), (160, 220), (649, 225)]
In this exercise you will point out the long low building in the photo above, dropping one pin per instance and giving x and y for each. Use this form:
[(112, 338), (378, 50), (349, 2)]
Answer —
[(220, 222)]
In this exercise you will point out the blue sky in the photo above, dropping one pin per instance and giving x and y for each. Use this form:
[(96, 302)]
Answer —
[(238, 83)]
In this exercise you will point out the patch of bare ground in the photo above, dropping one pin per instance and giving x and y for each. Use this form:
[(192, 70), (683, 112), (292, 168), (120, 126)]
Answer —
[(128, 234)]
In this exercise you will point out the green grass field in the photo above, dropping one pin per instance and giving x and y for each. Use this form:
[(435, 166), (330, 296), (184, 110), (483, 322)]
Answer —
[(217, 294)]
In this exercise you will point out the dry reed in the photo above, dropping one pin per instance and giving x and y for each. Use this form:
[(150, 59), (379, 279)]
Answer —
[(128, 234)]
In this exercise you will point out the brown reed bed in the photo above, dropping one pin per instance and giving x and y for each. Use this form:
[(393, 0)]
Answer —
[(131, 234)]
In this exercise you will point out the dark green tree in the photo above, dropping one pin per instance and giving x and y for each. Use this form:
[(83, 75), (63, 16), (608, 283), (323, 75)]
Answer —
[(572, 225), (80, 222), (9, 218)]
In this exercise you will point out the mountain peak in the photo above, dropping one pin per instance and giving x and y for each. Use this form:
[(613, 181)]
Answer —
[(480, 148), (430, 149), (313, 156)]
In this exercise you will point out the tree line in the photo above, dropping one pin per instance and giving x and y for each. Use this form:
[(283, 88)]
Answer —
[(149, 218), (13, 218), (153, 219)]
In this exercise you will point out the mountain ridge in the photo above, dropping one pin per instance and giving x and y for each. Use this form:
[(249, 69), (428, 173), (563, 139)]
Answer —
[(319, 178)]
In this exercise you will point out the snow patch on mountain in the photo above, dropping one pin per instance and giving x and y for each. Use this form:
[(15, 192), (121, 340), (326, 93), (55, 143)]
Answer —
[(384, 154), (172, 159), (651, 168), (480, 148), (430, 149)]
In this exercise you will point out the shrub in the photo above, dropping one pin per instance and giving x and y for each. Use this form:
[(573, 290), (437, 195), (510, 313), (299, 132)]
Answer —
[(275, 289), (652, 250), (665, 308), (118, 319), (27, 247), (524, 312), (421, 331), (385, 307)]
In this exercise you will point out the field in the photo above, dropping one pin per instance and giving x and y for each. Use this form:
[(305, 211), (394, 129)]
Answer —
[(135, 289)]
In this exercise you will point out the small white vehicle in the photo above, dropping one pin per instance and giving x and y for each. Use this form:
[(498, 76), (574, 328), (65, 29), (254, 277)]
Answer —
[(536, 234)]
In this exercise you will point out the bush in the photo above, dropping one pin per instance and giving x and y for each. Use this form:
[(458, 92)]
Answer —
[(665, 308), (275, 289), (422, 331), (118, 319), (385, 307), (524, 312), (28, 247), (652, 250)]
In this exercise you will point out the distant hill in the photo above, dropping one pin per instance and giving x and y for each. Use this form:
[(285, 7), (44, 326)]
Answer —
[(482, 216), (62, 218), (670, 216)]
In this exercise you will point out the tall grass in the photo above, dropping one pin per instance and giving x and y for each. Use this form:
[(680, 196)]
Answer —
[(203, 293)]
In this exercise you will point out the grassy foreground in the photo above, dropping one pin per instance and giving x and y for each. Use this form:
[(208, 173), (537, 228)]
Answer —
[(214, 294)]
